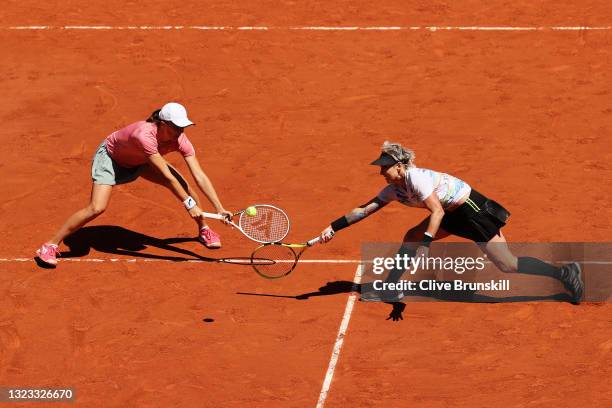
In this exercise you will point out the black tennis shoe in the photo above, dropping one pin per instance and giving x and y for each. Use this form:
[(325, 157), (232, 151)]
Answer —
[(571, 276)]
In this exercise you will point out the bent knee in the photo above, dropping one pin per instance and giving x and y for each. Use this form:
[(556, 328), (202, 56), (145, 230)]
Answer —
[(506, 267), (96, 209)]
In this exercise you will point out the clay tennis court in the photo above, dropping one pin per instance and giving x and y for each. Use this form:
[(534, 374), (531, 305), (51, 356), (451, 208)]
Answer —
[(292, 115)]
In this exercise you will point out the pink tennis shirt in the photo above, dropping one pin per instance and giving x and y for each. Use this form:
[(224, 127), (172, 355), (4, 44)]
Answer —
[(132, 145)]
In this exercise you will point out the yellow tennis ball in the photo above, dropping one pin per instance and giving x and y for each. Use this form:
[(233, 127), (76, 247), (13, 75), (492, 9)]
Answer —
[(251, 211)]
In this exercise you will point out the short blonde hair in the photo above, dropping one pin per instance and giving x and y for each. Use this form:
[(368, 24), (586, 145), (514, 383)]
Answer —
[(399, 153)]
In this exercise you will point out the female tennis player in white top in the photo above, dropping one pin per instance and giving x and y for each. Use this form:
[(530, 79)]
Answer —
[(455, 208)]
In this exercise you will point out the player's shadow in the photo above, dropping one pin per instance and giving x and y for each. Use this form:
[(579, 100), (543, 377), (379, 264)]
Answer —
[(396, 313), (117, 240), (335, 288), (338, 287), (331, 288)]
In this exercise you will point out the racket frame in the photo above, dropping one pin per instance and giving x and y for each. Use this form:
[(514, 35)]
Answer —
[(243, 214), (297, 254)]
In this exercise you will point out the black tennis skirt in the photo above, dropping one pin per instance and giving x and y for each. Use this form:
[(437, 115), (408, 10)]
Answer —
[(478, 219)]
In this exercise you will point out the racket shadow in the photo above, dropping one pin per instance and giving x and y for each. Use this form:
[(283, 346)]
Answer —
[(330, 288), (117, 240)]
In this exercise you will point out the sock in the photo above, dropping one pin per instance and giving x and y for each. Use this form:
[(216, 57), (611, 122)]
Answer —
[(534, 266)]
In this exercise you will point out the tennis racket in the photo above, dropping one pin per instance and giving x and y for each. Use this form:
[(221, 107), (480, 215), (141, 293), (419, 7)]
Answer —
[(244, 261), (282, 258), (269, 224)]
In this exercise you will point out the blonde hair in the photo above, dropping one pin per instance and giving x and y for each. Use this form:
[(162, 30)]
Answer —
[(399, 153)]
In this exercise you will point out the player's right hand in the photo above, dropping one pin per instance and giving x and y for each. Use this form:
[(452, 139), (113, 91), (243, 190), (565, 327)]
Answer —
[(327, 234), (195, 212)]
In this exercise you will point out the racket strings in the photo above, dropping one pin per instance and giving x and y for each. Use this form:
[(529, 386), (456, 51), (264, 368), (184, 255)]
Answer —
[(270, 224), (283, 260)]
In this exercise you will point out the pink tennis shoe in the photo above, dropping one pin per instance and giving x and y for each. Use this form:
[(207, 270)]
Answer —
[(209, 238), (48, 253)]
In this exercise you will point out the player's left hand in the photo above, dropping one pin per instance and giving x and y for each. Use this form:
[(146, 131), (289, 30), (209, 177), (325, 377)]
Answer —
[(227, 215)]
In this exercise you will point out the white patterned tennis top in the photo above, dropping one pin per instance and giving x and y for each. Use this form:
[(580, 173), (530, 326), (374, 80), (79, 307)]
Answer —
[(421, 183)]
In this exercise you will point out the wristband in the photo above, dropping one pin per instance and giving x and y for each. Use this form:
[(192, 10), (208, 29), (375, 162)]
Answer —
[(339, 224), (189, 203), (427, 240)]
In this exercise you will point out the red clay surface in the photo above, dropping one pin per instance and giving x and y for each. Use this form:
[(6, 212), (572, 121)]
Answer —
[(293, 118)]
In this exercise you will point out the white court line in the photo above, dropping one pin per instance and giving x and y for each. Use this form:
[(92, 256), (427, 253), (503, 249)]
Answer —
[(313, 261), (302, 261), (310, 28), (348, 310)]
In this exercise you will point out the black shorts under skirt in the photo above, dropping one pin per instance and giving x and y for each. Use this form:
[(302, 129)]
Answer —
[(478, 219)]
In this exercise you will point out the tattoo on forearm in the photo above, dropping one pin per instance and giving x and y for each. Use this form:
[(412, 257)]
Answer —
[(362, 212), (356, 215)]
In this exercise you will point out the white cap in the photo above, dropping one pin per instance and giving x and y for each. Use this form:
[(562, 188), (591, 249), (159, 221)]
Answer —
[(175, 113)]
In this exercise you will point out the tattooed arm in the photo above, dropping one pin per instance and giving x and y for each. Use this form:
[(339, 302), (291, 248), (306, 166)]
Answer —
[(364, 211), (354, 216)]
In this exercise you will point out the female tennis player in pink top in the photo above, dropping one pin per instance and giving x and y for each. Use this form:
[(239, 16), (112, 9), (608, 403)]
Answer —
[(137, 150)]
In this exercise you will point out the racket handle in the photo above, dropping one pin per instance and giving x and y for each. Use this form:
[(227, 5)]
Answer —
[(211, 215), (313, 241)]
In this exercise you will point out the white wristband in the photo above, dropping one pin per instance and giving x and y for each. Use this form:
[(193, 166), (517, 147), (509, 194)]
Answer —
[(189, 203)]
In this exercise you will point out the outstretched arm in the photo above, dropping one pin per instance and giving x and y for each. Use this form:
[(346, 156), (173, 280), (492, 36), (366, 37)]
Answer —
[(205, 184), (161, 165), (354, 216)]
